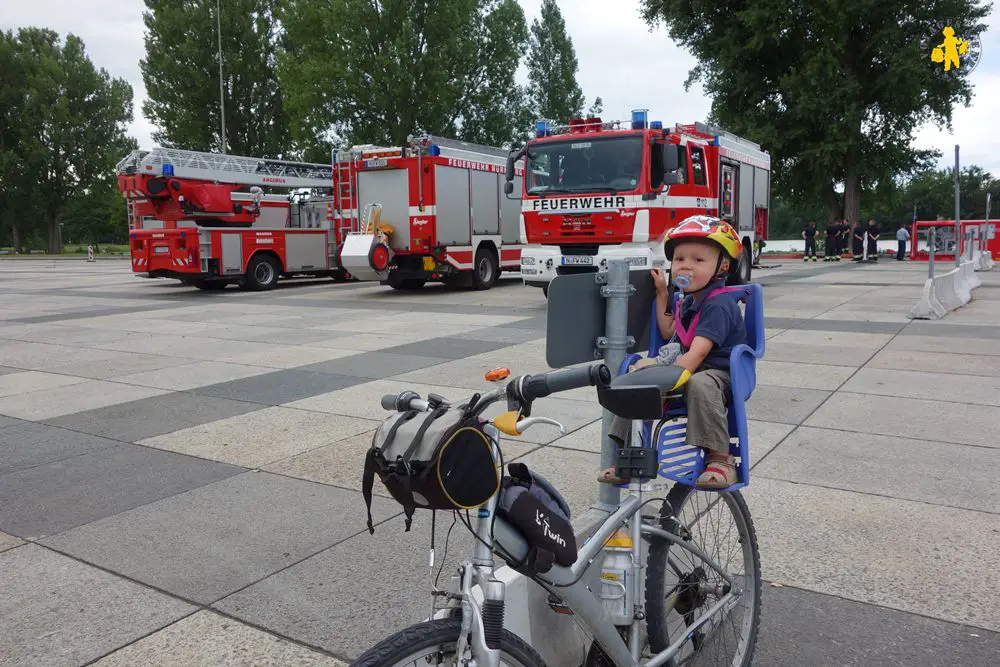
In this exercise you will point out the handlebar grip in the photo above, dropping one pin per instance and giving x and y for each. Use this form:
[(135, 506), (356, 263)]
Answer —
[(389, 402), (539, 386), (400, 402)]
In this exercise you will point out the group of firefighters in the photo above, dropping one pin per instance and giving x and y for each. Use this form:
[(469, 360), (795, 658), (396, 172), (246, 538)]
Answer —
[(840, 238)]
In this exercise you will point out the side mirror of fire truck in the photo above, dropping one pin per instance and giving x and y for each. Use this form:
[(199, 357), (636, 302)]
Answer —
[(514, 156), (670, 164), (508, 187)]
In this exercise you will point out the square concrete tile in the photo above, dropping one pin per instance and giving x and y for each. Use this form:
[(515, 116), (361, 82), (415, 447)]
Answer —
[(6, 370), (931, 386), (910, 417), (148, 417), (9, 421), (896, 467), (257, 438), (447, 347), (9, 542), (900, 554), (117, 363), (571, 414), (25, 445), (961, 363), (785, 405), (506, 335), (289, 356), (22, 382), (57, 612), (859, 341), (375, 365), (316, 601), (215, 540), (87, 395), (801, 376), (943, 344), (53, 497), (207, 638), (365, 400), (367, 342), (190, 376), (279, 387)]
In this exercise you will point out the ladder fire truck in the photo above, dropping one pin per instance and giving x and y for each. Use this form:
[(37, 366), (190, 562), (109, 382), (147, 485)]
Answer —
[(189, 221), (430, 210), (595, 191)]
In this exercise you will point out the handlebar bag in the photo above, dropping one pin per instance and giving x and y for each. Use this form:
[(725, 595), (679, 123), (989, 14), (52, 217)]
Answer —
[(531, 504), (437, 460)]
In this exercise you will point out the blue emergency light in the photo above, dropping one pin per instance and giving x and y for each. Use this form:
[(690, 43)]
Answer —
[(639, 119), (656, 125), (168, 169), (543, 127), (434, 150)]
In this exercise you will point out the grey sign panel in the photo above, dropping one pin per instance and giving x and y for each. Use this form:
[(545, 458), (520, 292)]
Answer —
[(760, 187), (390, 189), (746, 190), (485, 205), (305, 251), (510, 213), (232, 253), (452, 196), (577, 312)]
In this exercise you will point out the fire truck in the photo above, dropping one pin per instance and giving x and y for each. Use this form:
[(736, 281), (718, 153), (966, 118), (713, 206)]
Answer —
[(188, 219), (432, 209), (595, 191)]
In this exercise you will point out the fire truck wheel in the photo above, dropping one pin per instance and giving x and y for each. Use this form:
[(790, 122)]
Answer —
[(405, 283), (486, 270), (262, 273)]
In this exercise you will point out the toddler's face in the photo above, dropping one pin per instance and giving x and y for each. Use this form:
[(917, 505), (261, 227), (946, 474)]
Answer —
[(696, 261)]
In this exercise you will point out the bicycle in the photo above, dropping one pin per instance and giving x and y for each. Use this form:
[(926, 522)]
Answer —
[(656, 617)]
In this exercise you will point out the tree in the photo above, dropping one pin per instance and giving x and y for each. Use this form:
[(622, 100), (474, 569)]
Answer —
[(834, 92), (597, 108), (552, 67), (72, 126), (356, 71), (13, 92), (181, 74)]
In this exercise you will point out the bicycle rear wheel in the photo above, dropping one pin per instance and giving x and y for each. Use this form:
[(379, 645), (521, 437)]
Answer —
[(680, 587), (434, 642)]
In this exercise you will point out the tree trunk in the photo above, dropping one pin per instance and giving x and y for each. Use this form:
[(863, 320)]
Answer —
[(831, 203), (852, 193), (55, 237)]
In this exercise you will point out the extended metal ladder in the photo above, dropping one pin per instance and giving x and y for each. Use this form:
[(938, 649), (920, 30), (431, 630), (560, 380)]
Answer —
[(226, 168)]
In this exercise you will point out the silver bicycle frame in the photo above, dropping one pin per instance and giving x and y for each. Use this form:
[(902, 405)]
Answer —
[(569, 585)]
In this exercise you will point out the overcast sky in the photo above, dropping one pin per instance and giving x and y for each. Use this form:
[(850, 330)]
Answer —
[(620, 58)]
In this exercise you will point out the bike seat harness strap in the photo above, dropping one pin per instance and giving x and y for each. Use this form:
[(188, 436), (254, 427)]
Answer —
[(686, 334)]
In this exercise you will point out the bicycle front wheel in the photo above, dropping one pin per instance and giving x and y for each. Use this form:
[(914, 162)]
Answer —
[(434, 643), (681, 587)]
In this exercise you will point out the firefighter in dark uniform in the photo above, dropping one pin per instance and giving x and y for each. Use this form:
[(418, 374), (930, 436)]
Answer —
[(809, 235), (873, 234), (832, 252), (845, 236), (858, 241)]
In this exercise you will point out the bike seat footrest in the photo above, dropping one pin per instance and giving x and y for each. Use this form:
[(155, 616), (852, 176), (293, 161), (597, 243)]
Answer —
[(637, 463)]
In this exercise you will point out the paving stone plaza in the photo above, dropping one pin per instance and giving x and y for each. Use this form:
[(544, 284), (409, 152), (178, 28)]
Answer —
[(180, 471)]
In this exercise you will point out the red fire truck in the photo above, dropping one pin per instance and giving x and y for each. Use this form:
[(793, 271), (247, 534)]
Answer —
[(189, 221), (596, 191), (430, 210)]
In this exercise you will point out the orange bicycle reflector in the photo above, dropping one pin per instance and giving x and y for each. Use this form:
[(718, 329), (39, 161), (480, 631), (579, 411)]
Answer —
[(498, 374)]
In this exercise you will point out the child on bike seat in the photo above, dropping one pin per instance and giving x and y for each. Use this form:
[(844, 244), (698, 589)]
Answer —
[(700, 250)]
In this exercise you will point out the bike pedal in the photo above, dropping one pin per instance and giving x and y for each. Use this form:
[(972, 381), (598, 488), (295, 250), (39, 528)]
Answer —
[(558, 606)]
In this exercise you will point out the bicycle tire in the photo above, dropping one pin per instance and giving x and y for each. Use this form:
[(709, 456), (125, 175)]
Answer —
[(656, 564), (408, 644)]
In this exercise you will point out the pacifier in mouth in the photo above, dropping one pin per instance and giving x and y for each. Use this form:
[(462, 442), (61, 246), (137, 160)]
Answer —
[(682, 282)]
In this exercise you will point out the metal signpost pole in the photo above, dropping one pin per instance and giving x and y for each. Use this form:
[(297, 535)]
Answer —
[(958, 214), (615, 344)]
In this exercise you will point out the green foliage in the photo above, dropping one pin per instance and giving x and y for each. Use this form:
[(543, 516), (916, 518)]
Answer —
[(66, 136), (833, 89), (552, 67), (361, 72), (181, 74)]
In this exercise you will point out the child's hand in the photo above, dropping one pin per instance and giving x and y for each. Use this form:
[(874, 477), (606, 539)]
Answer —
[(642, 363), (659, 280)]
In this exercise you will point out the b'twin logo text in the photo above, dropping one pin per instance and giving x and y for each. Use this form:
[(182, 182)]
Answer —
[(543, 521), (579, 203)]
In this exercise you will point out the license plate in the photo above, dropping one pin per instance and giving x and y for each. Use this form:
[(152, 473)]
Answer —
[(161, 250), (577, 259)]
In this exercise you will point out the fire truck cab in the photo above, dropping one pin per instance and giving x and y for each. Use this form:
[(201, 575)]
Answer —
[(596, 191)]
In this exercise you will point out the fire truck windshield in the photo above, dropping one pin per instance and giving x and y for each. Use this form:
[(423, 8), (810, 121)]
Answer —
[(585, 164)]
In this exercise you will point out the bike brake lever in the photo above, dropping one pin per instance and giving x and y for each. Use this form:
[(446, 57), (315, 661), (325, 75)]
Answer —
[(527, 423)]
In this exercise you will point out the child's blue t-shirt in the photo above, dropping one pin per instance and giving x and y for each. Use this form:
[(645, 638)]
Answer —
[(721, 322)]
